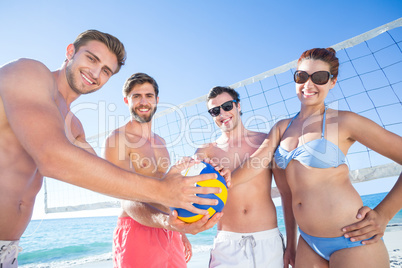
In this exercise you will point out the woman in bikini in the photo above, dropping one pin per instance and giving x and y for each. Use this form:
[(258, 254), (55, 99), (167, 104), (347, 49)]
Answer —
[(309, 150)]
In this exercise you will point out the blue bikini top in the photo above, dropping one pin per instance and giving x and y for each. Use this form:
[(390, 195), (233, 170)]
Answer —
[(318, 153)]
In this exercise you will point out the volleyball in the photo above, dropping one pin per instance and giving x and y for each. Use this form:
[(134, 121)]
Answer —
[(204, 168)]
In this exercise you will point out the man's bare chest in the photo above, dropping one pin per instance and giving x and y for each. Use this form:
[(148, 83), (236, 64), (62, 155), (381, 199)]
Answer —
[(149, 160), (232, 157)]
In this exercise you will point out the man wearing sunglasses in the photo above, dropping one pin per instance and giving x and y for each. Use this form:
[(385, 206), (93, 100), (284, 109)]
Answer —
[(144, 236), (248, 234)]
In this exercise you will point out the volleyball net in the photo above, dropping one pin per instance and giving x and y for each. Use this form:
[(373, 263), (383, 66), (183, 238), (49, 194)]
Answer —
[(369, 84)]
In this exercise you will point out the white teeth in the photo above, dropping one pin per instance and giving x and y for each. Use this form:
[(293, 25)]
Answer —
[(144, 110), (309, 94), (226, 120), (89, 81)]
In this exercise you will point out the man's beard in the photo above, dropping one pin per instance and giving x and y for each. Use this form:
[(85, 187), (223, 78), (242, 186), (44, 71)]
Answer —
[(142, 119), (71, 78)]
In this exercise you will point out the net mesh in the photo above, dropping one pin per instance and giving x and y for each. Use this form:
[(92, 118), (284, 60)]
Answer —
[(369, 84)]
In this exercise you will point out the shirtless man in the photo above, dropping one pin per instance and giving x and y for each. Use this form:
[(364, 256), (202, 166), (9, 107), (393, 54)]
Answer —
[(248, 234), (40, 137), (143, 237)]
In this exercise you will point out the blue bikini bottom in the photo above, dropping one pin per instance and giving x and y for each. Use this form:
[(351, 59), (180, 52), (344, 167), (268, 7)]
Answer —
[(324, 246)]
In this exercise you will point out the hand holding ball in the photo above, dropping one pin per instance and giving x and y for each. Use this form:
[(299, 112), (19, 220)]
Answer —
[(203, 168)]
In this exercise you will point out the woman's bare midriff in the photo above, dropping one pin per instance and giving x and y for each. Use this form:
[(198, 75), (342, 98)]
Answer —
[(324, 200)]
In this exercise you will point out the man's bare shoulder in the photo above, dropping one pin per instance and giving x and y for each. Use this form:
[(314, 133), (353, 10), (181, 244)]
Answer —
[(206, 146), (205, 150), (116, 139), (256, 134), (254, 138), (159, 140), (115, 134), (25, 65), (25, 72)]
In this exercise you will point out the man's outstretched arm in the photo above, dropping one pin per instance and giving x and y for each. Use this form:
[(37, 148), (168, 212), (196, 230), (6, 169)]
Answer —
[(29, 93)]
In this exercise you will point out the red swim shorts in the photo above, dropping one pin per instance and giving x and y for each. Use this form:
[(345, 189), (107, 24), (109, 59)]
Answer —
[(139, 246)]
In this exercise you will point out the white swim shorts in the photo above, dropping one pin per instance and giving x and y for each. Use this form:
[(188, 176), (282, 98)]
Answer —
[(8, 253), (242, 250)]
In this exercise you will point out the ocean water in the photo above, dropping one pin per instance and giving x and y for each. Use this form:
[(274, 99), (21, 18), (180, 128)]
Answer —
[(67, 242)]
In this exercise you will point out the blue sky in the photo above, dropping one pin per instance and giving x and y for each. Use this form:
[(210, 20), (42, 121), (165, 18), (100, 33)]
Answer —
[(187, 46)]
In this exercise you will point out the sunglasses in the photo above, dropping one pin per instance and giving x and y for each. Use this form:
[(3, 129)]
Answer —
[(318, 78), (226, 106)]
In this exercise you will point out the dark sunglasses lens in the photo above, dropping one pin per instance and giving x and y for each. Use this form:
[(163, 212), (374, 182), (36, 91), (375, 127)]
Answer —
[(300, 77), (320, 78), (214, 111), (227, 106)]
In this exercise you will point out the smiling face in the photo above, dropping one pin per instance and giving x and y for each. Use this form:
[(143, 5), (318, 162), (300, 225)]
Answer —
[(89, 68), (226, 121), (142, 102), (310, 93)]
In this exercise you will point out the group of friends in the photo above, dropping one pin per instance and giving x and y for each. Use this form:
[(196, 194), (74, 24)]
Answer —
[(39, 136)]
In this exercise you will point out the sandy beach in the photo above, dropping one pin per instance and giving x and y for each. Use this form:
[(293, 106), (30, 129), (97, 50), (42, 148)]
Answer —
[(392, 238), (393, 241)]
